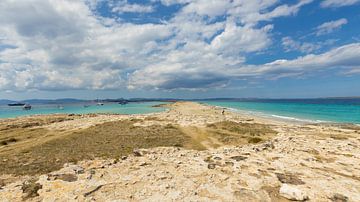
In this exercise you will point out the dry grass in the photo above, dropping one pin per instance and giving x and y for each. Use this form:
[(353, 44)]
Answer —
[(108, 140), (233, 133), (35, 150), (29, 122)]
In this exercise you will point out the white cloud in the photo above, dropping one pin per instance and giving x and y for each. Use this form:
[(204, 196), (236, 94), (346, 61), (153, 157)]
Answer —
[(251, 12), (338, 3), (330, 26), (65, 44), (166, 76), (61, 45), (172, 2), (353, 71), (290, 45), (236, 39), (125, 7), (210, 8), (344, 57)]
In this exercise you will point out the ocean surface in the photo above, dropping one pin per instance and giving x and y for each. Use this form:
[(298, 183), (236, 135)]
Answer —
[(308, 110), (78, 108)]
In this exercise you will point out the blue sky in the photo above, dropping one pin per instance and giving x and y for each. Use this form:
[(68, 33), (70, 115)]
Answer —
[(179, 48)]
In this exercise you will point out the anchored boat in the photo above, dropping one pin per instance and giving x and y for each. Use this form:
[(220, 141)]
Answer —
[(27, 107), (16, 104)]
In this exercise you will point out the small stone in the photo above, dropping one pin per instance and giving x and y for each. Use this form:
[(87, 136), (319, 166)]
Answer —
[(211, 165), (339, 198), (229, 163), (70, 168), (289, 179), (269, 145), (292, 193), (137, 152), (91, 190), (217, 158), (238, 158), (63, 177), (123, 158)]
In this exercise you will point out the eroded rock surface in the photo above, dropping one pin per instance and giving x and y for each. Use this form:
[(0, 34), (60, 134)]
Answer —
[(290, 170)]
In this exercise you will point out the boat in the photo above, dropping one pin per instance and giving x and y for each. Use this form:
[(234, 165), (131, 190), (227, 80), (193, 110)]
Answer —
[(60, 107), (123, 102), (16, 104), (99, 104), (27, 107)]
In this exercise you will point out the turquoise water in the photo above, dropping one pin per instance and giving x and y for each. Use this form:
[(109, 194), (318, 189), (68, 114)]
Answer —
[(78, 108), (301, 111)]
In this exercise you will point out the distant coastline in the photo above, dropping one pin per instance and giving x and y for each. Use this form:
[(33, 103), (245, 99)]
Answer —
[(355, 99)]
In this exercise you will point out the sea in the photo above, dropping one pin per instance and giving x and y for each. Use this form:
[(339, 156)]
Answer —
[(303, 110), (81, 108)]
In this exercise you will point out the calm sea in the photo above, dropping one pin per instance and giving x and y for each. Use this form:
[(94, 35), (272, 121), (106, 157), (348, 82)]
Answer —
[(78, 108), (314, 110)]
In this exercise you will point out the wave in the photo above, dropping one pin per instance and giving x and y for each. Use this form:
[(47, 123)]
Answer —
[(267, 115), (297, 119)]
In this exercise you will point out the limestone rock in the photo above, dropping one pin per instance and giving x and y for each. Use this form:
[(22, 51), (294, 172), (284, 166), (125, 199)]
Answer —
[(292, 193), (339, 198)]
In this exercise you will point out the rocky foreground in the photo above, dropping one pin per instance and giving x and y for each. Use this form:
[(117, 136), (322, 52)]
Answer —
[(302, 163), (290, 167)]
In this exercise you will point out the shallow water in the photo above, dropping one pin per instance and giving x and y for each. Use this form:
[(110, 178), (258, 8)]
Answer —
[(313, 110), (78, 108)]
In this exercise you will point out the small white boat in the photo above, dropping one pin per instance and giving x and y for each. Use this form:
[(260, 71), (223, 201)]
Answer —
[(60, 107), (27, 107), (99, 104)]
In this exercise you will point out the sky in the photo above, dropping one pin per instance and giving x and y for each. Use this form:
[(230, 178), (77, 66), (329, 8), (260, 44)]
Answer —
[(179, 48)]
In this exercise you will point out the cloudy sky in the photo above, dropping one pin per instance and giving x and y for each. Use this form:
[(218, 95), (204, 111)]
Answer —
[(179, 48)]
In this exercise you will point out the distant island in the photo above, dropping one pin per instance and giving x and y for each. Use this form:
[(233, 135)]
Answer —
[(350, 99)]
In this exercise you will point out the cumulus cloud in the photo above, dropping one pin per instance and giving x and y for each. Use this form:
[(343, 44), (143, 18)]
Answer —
[(65, 44), (330, 26), (338, 3), (344, 58)]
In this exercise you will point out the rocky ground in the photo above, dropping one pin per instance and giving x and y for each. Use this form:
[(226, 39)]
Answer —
[(302, 162)]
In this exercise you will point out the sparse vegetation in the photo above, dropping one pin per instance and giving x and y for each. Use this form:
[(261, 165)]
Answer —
[(31, 188), (29, 149), (108, 140), (233, 133), (338, 137), (254, 140), (252, 129)]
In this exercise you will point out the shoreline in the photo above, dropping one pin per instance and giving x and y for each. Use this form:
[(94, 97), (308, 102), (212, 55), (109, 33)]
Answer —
[(281, 118), (245, 112)]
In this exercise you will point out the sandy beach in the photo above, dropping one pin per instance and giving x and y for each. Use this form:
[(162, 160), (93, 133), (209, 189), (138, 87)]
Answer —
[(190, 152)]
